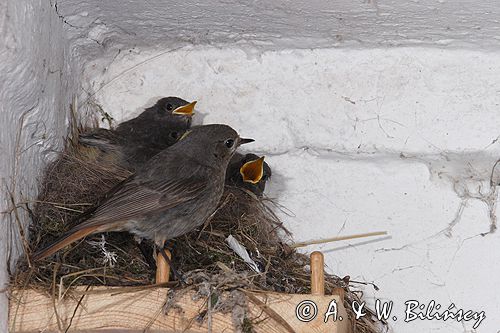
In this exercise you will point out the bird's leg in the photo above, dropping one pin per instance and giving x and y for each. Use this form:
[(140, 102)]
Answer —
[(163, 265), (163, 252)]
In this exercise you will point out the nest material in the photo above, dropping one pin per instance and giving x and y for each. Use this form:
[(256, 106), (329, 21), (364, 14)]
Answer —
[(72, 184), (78, 179)]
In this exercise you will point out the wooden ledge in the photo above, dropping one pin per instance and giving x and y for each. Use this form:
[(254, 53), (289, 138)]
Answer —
[(112, 310)]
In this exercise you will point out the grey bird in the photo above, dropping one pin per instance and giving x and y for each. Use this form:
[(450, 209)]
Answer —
[(170, 195), (135, 141), (249, 172)]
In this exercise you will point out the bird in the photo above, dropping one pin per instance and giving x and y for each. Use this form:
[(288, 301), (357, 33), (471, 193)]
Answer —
[(135, 141), (170, 195), (249, 172)]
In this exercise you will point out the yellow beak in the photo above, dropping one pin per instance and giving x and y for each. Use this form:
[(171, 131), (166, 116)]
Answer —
[(253, 171), (185, 110)]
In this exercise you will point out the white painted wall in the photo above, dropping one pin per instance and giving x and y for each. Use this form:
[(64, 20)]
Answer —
[(279, 24), (36, 85), (399, 139), (375, 115)]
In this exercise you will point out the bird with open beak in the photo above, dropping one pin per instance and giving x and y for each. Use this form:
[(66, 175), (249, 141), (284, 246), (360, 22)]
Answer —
[(171, 194), (135, 141), (249, 172)]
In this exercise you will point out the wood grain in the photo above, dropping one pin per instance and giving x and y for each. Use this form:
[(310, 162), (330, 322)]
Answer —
[(109, 310), (317, 273)]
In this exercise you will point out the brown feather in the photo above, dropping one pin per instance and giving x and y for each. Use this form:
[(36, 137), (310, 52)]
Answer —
[(173, 193), (134, 200), (70, 237), (130, 200)]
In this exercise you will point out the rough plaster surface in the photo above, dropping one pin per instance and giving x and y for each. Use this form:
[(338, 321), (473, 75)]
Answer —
[(400, 139), (362, 136), (35, 90), (281, 24)]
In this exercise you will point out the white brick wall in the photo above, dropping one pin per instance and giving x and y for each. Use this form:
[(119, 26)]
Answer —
[(361, 135), (401, 140)]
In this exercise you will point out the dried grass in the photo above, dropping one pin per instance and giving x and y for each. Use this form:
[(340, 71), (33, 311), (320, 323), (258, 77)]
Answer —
[(77, 180)]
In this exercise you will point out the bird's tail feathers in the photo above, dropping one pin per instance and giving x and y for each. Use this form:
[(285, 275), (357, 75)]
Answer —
[(70, 237)]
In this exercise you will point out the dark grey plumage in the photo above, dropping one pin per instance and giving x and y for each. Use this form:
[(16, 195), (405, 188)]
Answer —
[(135, 141), (173, 193), (234, 177)]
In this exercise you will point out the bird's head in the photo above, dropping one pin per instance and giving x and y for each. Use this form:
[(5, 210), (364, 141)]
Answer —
[(249, 172), (215, 143), (170, 111)]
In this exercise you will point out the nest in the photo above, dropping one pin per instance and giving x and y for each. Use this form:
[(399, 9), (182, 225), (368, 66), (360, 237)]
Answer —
[(76, 180)]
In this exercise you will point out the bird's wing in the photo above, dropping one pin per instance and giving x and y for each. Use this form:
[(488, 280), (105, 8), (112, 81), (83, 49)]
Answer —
[(138, 198), (99, 137), (130, 200)]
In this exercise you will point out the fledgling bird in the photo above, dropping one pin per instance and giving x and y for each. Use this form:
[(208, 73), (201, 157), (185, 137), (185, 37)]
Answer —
[(248, 171), (170, 195), (135, 141)]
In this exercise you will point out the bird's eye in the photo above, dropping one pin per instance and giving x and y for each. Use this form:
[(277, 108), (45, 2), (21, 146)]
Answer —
[(174, 135), (170, 107), (229, 143)]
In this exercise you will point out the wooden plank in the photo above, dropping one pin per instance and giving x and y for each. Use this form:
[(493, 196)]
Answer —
[(286, 305), (107, 310), (317, 273)]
